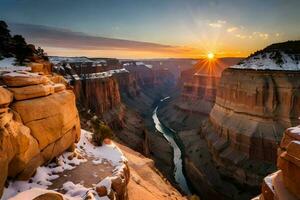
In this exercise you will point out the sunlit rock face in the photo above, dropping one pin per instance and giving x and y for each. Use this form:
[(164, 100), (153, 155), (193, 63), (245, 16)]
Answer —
[(256, 101), (102, 97), (38, 125), (252, 109), (284, 184), (200, 83)]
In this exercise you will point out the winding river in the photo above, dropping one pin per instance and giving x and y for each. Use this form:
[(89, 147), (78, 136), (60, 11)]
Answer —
[(177, 158)]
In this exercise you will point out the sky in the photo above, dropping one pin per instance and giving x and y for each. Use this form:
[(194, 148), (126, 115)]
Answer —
[(153, 28)]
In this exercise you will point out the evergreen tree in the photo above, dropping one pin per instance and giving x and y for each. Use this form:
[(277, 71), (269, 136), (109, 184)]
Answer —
[(22, 50)]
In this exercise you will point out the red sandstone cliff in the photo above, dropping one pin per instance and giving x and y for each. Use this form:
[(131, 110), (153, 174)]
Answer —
[(101, 96)]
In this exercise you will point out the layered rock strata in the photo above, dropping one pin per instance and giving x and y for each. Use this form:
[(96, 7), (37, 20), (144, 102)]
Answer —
[(101, 96), (198, 89), (252, 109), (38, 125), (284, 184)]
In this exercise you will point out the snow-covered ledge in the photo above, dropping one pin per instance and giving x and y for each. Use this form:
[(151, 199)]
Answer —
[(113, 186)]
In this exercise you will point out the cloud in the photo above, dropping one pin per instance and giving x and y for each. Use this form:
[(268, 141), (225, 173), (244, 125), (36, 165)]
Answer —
[(232, 29), (217, 24), (264, 36), (58, 41), (240, 36), (57, 37)]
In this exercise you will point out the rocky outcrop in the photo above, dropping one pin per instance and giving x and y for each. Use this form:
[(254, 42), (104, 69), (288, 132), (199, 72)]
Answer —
[(37, 126), (247, 120), (284, 184), (101, 96), (146, 182)]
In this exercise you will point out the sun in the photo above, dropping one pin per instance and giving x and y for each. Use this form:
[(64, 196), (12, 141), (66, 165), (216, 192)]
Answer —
[(210, 56)]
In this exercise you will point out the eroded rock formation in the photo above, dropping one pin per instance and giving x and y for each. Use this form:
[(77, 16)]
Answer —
[(284, 184), (246, 123), (38, 125), (198, 89)]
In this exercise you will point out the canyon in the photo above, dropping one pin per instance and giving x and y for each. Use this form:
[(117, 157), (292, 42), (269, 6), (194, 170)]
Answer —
[(177, 127), (232, 126), (232, 143)]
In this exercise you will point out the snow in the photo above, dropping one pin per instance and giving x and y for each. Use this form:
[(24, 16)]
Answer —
[(58, 59), (44, 174), (106, 74), (33, 193), (143, 64), (295, 130), (21, 74), (68, 66), (269, 180), (8, 64), (106, 183), (109, 152), (265, 62)]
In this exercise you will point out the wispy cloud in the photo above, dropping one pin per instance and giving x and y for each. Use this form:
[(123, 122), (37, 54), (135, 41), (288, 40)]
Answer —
[(69, 42), (58, 37), (217, 24), (264, 36), (232, 29), (240, 36)]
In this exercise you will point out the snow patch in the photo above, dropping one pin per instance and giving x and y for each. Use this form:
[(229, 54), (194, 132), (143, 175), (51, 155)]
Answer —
[(67, 161), (295, 130), (21, 74), (43, 176), (8, 65), (266, 61)]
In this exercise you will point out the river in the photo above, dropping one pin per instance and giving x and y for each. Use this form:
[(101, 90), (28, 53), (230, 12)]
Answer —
[(177, 158)]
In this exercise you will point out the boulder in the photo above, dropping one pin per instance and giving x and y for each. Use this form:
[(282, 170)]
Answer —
[(284, 184), (40, 66), (5, 97), (294, 149), (51, 117), (101, 191), (7, 152), (36, 67), (38, 194), (17, 79), (49, 196), (32, 91), (5, 118), (58, 79), (26, 148), (290, 167), (59, 87)]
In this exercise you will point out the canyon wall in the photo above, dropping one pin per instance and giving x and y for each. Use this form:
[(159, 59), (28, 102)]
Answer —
[(252, 109), (39, 121), (197, 88), (146, 87), (101, 96)]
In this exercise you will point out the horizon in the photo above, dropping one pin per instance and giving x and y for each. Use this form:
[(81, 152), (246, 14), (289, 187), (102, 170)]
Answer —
[(153, 29)]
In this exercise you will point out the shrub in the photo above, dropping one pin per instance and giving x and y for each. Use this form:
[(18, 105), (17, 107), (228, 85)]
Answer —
[(101, 131), (194, 197)]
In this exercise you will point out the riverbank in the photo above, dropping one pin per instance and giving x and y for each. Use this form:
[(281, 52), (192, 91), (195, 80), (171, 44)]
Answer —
[(177, 152), (200, 170)]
